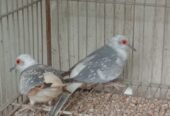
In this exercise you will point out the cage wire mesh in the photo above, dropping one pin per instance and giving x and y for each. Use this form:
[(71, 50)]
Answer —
[(78, 27), (22, 30)]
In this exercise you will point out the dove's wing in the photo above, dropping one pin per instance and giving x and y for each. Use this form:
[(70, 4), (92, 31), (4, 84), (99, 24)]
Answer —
[(99, 67), (36, 76)]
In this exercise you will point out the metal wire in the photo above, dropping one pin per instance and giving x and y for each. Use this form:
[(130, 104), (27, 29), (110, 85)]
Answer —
[(42, 43), (37, 25), (122, 2), (16, 10)]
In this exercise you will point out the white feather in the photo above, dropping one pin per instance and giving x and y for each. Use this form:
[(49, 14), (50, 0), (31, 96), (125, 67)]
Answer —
[(77, 70), (27, 62), (101, 75), (73, 86), (128, 91), (122, 53)]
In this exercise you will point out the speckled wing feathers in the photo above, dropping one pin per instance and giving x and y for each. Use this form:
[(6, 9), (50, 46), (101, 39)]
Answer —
[(99, 67), (34, 76)]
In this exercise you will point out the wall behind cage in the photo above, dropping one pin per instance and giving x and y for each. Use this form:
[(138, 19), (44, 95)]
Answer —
[(81, 26), (22, 30)]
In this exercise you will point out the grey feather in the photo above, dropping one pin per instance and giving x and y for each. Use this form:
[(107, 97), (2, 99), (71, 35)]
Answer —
[(64, 98), (34, 76), (101, 66)]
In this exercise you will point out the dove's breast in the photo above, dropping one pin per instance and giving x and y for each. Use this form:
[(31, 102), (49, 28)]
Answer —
[(45, 95)]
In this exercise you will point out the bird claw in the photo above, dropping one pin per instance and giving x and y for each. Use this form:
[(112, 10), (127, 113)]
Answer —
[(116, 85), (27, 107), (47, 107), (50, 103)]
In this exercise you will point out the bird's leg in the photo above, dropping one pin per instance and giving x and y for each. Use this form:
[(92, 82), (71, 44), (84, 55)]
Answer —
[(89, 87), (29, 106), (116, 85), (32, 102), (24, 107), (94, 87), (99, 87), (50, 103), (48, 107), (33, 107)]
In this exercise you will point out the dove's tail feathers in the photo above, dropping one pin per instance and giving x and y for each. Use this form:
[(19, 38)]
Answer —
[(70, 80), (65, 73), (65, 90), (45, 85)]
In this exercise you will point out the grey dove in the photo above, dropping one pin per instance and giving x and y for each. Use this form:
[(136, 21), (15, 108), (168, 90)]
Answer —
[(39, 82), (103, 65)]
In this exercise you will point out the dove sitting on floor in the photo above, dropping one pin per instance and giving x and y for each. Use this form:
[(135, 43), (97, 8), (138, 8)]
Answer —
[(103, 65), (40, 83)]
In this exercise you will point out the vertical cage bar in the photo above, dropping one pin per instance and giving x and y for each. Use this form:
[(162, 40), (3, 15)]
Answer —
[(48, 31), (7, 52), (58, 22), (78, 16), (23, 26), (39, 32), (68, 32), (104, 21), (1, 62), (96, 22), (86, 25), (32, 18), (37, 24), (28, 27), (163, 80), (41, 15)]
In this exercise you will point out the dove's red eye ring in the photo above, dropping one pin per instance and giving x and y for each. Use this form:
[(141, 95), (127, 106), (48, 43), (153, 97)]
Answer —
[(18, 61), (124, 42)]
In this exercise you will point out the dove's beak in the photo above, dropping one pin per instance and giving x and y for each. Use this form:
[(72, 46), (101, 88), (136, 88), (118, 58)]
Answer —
[(131, 47), (12, 68)]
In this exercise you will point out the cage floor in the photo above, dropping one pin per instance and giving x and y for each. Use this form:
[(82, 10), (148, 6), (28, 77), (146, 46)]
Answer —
[(108, 104), (153, 101), (23, 111)]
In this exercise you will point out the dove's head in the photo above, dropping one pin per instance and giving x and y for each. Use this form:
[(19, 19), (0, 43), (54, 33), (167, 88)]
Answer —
[(120, 42), (22, 62)]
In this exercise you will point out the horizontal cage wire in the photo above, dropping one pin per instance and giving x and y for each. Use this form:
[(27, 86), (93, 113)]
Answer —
[(65, 31)]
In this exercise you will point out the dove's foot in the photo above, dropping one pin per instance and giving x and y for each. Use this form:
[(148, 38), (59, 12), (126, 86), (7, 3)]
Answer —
[(27, 107), (117, 85), (104, 87), (109, 87), (50, 103)]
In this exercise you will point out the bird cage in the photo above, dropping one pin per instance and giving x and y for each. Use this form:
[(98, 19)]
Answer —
[(62, 32)]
